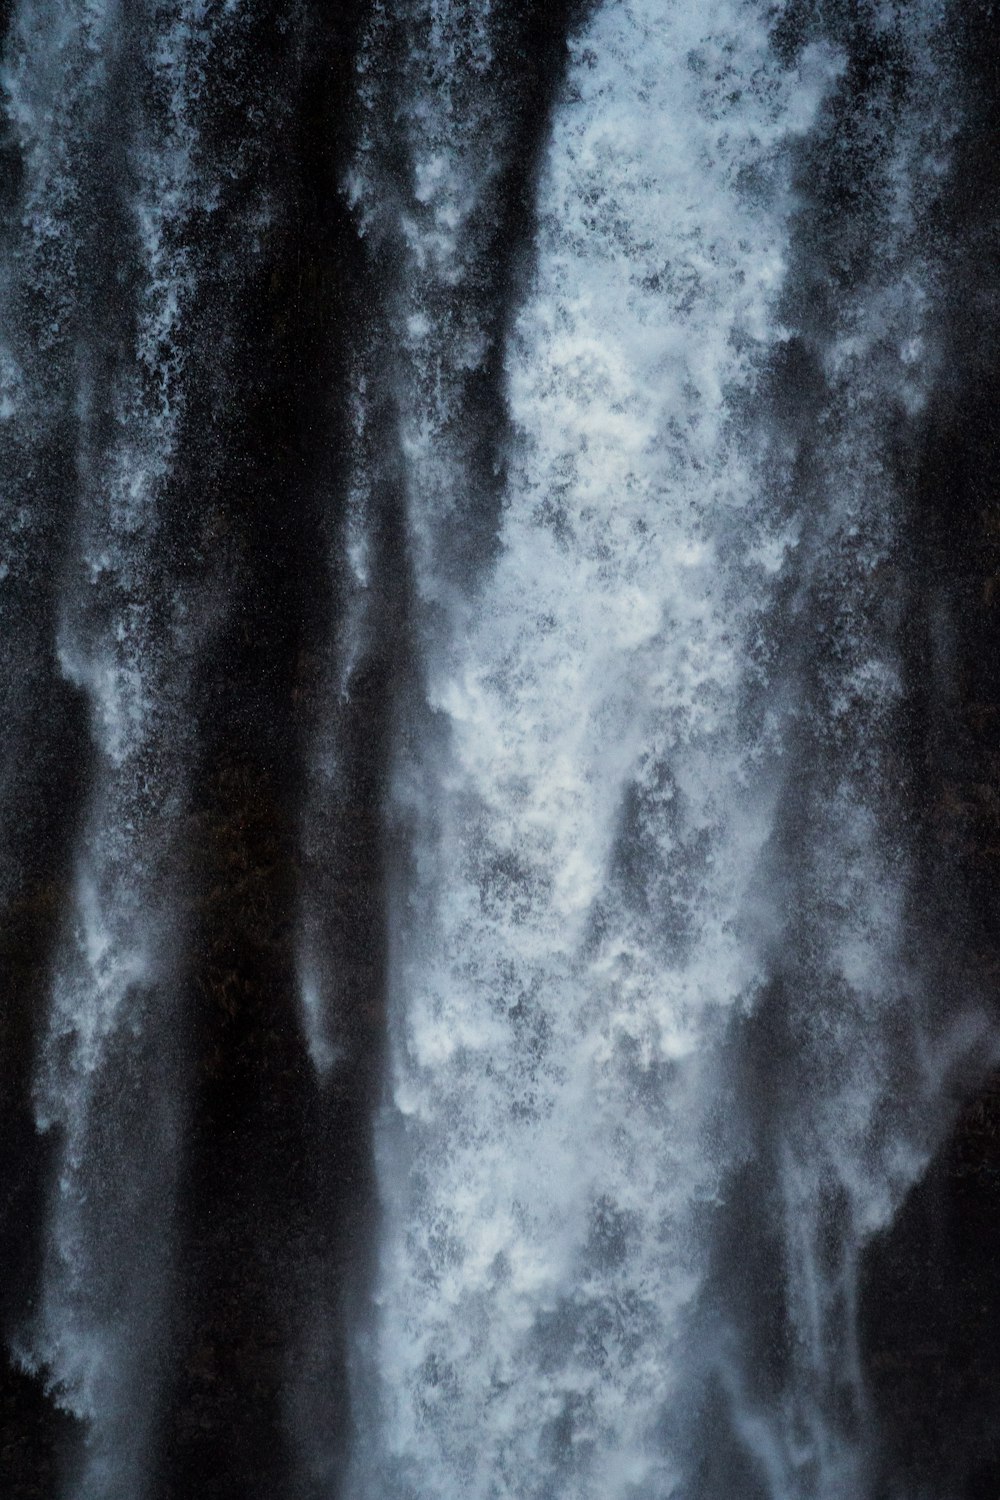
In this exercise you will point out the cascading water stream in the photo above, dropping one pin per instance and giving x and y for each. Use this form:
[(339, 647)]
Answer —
[(111, 1062), (642, 819), (492, 975), (844, 1093)]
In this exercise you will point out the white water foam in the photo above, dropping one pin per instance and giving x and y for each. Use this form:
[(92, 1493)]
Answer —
[(557, 1001)]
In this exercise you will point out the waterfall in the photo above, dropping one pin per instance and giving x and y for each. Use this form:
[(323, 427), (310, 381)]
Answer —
[(498, 750)]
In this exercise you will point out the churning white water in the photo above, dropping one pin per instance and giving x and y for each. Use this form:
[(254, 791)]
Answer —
[(479, 998), (677, 660)]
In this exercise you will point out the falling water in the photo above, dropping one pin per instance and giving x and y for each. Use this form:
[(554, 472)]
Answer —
[(496, 749)]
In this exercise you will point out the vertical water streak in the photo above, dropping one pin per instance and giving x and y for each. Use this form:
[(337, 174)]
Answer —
[(46, 108), (351, 643), (848, 1062), (131, 626), (584, 796), (406, 187), (423, 184), (454, 98), (432, 202), (330, 930)]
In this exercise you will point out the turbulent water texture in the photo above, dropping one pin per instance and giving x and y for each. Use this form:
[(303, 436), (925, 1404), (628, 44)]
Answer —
[(499, 750)]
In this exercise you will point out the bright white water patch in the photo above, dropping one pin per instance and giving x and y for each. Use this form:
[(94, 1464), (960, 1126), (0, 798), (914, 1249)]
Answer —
[(576, 932)]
